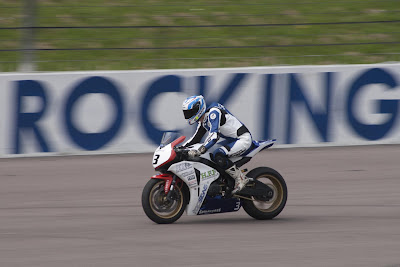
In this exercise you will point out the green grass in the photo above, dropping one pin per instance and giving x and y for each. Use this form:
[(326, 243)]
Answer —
[(224, 12)]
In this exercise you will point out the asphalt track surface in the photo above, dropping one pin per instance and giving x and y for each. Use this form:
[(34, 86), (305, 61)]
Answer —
[(343, 210)]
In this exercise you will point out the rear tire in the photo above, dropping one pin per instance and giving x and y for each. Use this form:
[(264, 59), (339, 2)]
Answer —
[(157, 207), (266, 210)]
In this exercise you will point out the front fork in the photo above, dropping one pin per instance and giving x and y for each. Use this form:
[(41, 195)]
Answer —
[(171, 188), (170, 181)]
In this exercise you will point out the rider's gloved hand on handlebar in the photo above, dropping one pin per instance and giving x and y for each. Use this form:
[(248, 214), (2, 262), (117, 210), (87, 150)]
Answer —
[(194, 153)]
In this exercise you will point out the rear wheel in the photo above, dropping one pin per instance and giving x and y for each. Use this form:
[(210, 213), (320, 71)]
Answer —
[(158, 207), (261, 209)]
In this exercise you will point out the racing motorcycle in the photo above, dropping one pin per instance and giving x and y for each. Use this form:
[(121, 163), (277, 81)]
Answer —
[(200, 186)]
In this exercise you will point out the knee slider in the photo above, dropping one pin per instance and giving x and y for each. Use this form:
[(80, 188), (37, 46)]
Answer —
[(221, 159)]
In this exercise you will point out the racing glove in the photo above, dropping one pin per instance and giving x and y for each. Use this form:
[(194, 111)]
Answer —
[(195, 153)]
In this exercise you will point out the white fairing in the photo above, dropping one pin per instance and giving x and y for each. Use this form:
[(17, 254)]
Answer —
[(198, 187), (161, 155), (261, 146)]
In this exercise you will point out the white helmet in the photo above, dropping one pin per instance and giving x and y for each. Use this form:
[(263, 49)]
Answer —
[(193, 108)]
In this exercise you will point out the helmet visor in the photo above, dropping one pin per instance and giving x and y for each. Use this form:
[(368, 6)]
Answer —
[(191, 112)]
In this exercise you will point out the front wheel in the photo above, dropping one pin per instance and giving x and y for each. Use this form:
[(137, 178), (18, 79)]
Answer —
[(266, 210), (158, 207)]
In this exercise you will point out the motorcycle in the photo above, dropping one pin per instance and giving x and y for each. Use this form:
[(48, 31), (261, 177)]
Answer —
[(200, 186)]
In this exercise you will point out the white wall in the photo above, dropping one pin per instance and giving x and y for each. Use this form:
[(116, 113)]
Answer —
[(299, 106)]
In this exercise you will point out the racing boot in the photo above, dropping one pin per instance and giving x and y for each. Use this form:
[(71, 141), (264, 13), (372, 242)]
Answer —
[(240, 179)]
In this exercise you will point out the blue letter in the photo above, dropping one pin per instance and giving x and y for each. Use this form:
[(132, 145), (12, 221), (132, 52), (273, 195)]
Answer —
[(372, 132), (229, 90), (320, 119), (28, 121), (266, 119), (94, 85), (170, 83)]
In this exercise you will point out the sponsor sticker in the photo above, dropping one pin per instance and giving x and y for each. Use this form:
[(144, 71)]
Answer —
[(192, 183), (191, 177), (183, 166), (209, 211), (201, 198), (208, 175)]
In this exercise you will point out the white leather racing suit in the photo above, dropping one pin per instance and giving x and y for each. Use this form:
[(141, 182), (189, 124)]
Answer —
[(219, 122)]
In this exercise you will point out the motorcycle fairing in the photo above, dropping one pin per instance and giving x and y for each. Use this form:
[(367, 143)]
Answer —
[(257, 146), (218, 204), (198, 184), (165, 154)]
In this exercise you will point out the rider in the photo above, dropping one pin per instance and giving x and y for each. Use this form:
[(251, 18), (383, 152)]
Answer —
[(219, 122)]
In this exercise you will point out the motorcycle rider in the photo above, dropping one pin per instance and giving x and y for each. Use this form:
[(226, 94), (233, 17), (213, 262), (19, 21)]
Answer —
[(219, 122)]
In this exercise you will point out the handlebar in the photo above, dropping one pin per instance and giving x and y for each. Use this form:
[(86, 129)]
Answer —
[(182, 151)]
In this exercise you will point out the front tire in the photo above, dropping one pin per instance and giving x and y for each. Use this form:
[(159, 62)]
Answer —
[(156, 205), (266, 210)]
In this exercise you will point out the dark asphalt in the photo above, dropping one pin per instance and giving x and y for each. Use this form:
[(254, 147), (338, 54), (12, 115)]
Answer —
[(343, 209)]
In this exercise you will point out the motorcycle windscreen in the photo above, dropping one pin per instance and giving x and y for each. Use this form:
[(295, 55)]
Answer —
[(168, 137)]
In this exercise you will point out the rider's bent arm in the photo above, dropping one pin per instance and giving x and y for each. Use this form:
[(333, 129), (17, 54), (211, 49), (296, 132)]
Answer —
[(196, 138), (214, 119)]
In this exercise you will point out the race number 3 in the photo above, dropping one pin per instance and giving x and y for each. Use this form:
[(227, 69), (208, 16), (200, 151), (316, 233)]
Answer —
[(155, 160)]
